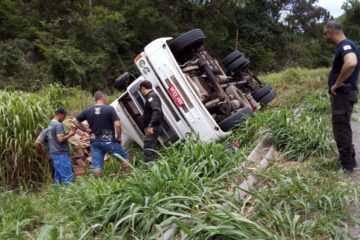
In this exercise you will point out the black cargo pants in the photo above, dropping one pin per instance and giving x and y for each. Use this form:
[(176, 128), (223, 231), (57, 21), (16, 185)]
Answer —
[(150, 142), (341, 108)]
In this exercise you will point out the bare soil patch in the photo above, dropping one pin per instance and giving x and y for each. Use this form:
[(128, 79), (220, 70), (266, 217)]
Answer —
[(354, 229)]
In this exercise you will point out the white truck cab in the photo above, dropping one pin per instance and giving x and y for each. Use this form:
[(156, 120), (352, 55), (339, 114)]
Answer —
[(199, 96)]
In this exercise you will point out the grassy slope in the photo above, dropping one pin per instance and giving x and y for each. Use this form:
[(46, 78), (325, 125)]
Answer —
[(302, 195)]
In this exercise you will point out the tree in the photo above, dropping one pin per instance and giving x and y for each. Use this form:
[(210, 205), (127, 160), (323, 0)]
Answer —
[(302, 16), (352, 19), (89, 43)]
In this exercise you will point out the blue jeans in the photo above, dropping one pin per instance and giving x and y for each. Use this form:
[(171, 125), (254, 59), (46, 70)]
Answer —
[(63, 168), (99, 148)]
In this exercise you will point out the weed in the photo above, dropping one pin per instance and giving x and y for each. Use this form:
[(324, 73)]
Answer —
[(18, 215)]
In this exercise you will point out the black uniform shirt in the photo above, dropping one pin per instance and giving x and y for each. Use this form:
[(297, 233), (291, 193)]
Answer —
[(152, 110), (344, 47), (101, 120)]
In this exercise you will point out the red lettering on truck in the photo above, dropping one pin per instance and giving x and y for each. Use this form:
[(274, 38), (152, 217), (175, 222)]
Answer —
[(175, 96)]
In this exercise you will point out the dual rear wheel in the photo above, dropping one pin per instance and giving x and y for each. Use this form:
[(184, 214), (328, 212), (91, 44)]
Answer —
[(236, 61)]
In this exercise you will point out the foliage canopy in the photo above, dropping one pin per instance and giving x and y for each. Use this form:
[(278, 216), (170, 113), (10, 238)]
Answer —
[(89, 43)]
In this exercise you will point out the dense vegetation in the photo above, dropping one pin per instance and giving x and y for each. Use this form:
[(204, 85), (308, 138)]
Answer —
[(84, 45), (23, 116), (88, 43), (302, 195)]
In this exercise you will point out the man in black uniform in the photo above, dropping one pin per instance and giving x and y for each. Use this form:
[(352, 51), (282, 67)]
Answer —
[(152, 119), (342, 83)]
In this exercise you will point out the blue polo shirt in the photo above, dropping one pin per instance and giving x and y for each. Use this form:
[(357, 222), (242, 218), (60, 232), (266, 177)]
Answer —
[(344, 47)]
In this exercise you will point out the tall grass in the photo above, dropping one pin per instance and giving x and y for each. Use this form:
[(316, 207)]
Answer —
[(18, 215), (169, 189), (290, 203), (182, 191), (300, 124), (22, 117), (299, 203), (295, 84), (298, 136), (190, 183), (73, 99)]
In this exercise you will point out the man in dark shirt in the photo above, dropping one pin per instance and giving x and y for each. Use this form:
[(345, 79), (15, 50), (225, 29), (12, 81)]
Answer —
[(342, 83), (151, 118), (105, 133)]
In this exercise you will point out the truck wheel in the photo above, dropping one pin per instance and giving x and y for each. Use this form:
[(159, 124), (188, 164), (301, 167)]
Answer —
[(235, 118), (268, 98), (238, 65), (190, 40), (232, 57), (261, 92), (123, 80)]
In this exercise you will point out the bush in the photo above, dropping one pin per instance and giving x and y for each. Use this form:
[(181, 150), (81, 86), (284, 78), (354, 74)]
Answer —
[(17, 70)]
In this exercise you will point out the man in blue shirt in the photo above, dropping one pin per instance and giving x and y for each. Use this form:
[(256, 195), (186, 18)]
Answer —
[(342, 83), (59, 148)]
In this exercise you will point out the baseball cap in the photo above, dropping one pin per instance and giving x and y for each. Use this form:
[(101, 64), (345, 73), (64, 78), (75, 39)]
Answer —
[(60, 110)]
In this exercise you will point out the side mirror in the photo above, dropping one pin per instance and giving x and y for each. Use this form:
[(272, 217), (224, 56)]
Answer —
[(122, 81)]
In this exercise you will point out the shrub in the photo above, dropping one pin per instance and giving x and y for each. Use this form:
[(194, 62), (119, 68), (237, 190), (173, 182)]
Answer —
[(16, 68)]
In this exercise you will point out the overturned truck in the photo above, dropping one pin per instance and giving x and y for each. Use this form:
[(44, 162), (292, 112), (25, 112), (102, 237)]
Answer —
[(199, 94)]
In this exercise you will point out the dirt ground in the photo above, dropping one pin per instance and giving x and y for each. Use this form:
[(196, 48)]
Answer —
[(354, 230)]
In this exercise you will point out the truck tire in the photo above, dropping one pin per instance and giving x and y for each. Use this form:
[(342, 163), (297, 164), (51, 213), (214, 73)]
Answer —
[(268, 98), (123, 80), (190, 40), (236, 118), (232, 57), (261, 92), (238, 65)]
